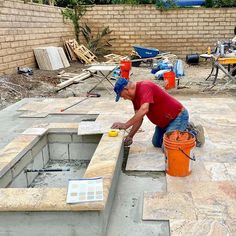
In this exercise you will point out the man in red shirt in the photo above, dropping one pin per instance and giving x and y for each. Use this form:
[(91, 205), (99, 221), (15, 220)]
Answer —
[(149, 99)]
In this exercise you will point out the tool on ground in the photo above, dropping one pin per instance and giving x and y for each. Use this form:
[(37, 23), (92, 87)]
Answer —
[(24, 70), (88, 95), (47, 170)]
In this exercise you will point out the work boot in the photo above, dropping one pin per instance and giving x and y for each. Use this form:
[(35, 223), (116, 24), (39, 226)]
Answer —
[(198, 132), (200, 138)]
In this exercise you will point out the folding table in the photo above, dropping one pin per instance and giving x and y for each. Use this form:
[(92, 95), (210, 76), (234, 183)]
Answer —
[(102, 73), (218, 63)]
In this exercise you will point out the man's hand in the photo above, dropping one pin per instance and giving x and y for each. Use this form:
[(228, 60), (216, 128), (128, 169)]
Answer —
[(119, 125), (128, 141)]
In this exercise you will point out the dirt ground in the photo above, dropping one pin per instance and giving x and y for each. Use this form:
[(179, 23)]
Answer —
[(15, 87)]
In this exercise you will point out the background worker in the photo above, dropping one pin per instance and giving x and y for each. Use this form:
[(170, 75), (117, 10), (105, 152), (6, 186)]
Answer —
[(149, 99)]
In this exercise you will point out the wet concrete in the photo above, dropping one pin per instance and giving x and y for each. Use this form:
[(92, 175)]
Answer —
[(126, 213), (59, 179)]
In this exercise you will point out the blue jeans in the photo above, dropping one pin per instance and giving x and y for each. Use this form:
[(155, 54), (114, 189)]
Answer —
[(179, 123)]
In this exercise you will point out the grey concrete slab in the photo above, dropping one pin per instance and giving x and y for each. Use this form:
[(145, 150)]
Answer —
[(126, 214), (12, 124)]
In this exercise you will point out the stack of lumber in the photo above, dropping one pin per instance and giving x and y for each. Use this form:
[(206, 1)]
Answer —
[(74, 50), (51, 58)]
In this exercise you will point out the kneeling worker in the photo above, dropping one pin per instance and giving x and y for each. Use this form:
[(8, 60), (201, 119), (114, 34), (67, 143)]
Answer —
[(162, 109)]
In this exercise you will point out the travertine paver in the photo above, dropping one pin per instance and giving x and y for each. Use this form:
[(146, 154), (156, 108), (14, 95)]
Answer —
[(211, 185), (200, 204), (103, 163), (217, 171), (198, 228), (171, 205), (146, 162), (82, 105)]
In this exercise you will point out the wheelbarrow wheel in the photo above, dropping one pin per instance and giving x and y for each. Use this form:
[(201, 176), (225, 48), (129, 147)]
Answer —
[(135, 63)]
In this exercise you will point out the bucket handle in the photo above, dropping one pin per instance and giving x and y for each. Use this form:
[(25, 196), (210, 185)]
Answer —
[(191, 158)]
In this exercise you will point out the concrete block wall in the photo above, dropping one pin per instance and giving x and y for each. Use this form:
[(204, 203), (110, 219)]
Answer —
[(180, 31), (54, 146), (72, 146), (36, 158), (26, 26)]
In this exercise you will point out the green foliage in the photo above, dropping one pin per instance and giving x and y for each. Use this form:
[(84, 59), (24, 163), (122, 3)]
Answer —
[(99, 43), (74, 11), (165, 4), (62, 3), (224, 3), (133, 2), (209, 3)]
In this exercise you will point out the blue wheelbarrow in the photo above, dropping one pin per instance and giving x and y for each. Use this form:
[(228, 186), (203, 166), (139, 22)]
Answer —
[(143, 54)]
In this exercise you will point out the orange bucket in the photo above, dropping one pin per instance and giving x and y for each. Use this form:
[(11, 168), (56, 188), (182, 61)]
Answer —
[(169, 80), (125, 67), (178, 146)]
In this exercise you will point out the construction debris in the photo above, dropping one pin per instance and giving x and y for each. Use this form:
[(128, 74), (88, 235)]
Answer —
[(74, 50), (115, 58), (76, 78)]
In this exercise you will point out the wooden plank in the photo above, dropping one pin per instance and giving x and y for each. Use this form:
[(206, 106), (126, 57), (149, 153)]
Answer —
[(115, 58), (63, 57), (76, 79), (71, 52)]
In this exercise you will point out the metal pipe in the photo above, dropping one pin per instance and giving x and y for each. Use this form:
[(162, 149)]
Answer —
[(47, 170)]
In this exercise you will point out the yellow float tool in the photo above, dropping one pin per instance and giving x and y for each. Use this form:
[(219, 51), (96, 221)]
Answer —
[(113, 133)]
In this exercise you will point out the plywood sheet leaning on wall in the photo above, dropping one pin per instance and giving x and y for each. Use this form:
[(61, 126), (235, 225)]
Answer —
[(50, 58)]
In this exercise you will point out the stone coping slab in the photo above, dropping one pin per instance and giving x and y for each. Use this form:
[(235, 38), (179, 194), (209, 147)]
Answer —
[(102, 164)]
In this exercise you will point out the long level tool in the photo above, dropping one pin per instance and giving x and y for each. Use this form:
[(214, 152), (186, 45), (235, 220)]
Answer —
[(89, 95)]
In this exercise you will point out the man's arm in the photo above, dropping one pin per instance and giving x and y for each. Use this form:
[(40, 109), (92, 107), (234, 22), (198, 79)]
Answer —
[(135, 120), (135, 128), (129, 138)]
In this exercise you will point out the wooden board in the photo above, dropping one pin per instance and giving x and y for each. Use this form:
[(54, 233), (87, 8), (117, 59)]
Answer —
[(115, 58), (74, 79), (63, 57)]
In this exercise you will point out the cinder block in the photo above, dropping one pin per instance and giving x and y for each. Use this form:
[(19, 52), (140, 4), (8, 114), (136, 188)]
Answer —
[(81, 151), (58, 151), (5, 179), (36, 164), (21, 164), (38, 161), (59, 138), (20, 181), (77, 138), (91, 138), (45, 155), (30, 175), (39, 146)]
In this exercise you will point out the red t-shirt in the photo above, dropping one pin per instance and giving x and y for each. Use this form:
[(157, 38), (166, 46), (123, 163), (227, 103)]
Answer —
[(163, 108)]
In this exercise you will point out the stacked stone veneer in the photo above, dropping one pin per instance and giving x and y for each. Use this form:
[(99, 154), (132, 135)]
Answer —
[(181, 31), (26, 26)]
